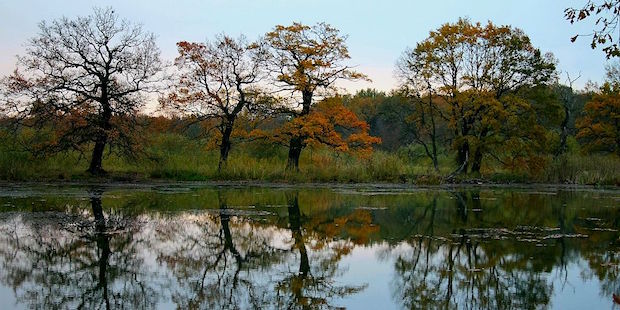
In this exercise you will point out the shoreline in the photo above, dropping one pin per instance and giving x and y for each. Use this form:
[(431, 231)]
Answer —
[(380, 186)]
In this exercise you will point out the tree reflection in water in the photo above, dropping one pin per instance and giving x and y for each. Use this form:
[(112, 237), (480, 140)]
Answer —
[(228, 259), (217, 258), (77, 259), (482, 266), (436, 273), (313, 286)]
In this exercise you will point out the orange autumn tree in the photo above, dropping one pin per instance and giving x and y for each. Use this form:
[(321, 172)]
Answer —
[(329, 123), (305, 61), (599, 128)]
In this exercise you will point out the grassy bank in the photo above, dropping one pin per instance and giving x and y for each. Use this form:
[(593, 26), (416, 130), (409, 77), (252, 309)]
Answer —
[(175, 157)]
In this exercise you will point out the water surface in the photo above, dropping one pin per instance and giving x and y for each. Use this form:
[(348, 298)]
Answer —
[(195, 247)]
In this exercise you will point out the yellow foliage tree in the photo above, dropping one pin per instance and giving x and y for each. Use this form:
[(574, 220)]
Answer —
[(477, 70), (306, 60)]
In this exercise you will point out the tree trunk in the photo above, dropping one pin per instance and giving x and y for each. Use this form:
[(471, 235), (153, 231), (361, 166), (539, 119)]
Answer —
[(225, 146), (433, 130), (564, 134), (434, 139), (435, 162), (101, 139), (95, 167), (477, 162), (463, 154), (294, 152), (296, 144)]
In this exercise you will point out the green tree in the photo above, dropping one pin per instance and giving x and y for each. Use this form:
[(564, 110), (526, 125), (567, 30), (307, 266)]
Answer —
[(386, 114)]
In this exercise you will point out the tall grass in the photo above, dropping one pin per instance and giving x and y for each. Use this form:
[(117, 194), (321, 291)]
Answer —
[(176, 157), (21, 165), (583, 169)]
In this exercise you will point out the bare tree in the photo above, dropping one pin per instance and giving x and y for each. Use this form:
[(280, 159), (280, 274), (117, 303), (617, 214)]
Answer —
[(414, 71), (84, 78), (567, 97)]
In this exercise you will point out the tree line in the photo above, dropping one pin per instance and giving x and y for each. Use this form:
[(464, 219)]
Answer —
[(478, 91)]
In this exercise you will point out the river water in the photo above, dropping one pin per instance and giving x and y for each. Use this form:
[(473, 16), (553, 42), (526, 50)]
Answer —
[(191, 246)]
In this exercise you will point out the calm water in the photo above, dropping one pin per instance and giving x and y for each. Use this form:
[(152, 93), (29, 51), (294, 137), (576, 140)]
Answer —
[(181, 246)]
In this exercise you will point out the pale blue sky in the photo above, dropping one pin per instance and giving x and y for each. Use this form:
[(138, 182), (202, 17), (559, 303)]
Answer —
[(378, 31)]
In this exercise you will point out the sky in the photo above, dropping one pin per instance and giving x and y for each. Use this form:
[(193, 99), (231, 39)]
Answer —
[(378, 31)]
